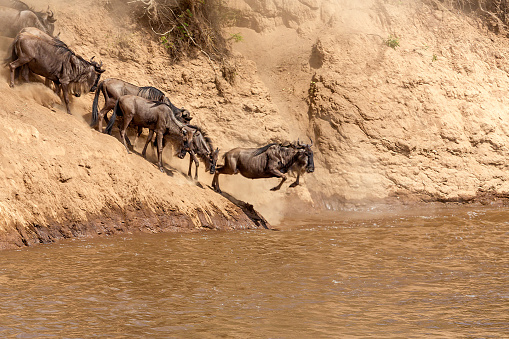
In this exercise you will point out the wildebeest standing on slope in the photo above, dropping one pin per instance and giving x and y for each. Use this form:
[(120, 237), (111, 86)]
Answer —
[(202, 148), (12, 21), (112, 89), (44, 36), (157, 117), (55, 62), (272, 160)]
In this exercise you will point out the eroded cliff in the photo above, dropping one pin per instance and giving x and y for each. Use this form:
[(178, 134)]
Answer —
[(423, 120)]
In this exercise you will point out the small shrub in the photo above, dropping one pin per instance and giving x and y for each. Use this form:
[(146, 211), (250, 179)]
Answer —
[(236, 37), (392, 41)]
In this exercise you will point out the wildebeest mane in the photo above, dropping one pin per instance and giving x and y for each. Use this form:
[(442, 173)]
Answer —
[(288, 157), (77, 66), (207, 139), (204, 133), (151, 93), (262, 149), (157, 103)]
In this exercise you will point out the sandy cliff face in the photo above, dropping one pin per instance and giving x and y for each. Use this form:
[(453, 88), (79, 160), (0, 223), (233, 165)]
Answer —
[(59, 178), (426, 120)]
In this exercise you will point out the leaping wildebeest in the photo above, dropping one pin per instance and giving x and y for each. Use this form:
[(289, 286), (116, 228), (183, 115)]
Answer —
[(112, 89), (12, 21), (56, 62), (272, 160), (157, 117)]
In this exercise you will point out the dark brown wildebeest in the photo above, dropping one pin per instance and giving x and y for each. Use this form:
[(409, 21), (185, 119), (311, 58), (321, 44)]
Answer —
[(272, 160), (55, 62), (112, 89), (12, 21), (157, 117), (202, 148), (40, 34)]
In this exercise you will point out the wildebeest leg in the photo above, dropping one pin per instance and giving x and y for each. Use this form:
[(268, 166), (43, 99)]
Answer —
[(65, 90), (108, 106), (194, 159), (149, 139), (283, 179), (15, 64), (277, 173), (123, 130), (140, 130), (215, 182), (296, 183), (25, 73), (159, 137)]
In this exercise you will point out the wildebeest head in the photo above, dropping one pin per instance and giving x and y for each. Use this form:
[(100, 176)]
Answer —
[(305, 157), (94, 74), (212, 160), (187, 140)]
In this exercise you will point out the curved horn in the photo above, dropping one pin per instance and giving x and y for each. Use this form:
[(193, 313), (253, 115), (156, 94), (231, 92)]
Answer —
[(311, 142), (92, 59)]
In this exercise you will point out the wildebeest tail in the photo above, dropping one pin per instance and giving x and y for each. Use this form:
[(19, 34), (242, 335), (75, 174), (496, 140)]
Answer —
[(95, 104), (116, 112)]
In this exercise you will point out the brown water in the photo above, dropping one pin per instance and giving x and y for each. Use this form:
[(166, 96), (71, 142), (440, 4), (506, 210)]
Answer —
[(433, 273)]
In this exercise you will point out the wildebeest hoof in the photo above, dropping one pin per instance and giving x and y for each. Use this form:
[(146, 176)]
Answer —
[(294, 184), (275, 188), (161, 169)]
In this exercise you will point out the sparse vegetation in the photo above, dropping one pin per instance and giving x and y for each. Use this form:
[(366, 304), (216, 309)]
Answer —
[(494, 12), (185, 27), (392, 41), (236, 37)]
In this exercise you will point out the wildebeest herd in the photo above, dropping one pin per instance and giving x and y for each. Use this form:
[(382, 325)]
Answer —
[(35, 50)]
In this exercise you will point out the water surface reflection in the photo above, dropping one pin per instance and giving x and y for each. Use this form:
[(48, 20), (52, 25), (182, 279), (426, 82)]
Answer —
[(428, 273)]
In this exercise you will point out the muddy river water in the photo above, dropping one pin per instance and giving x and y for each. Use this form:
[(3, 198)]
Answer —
[(399, 274)]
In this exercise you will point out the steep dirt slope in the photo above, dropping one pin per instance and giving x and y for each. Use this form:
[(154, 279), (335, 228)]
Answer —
[(426, 120), (59, 178)]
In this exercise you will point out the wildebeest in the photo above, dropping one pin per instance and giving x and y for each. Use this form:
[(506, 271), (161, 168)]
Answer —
[(12, 21), (154, 115), (272, 160), (55, 62), (112, 89), (19, 5), (44, 36), (203, 149)]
